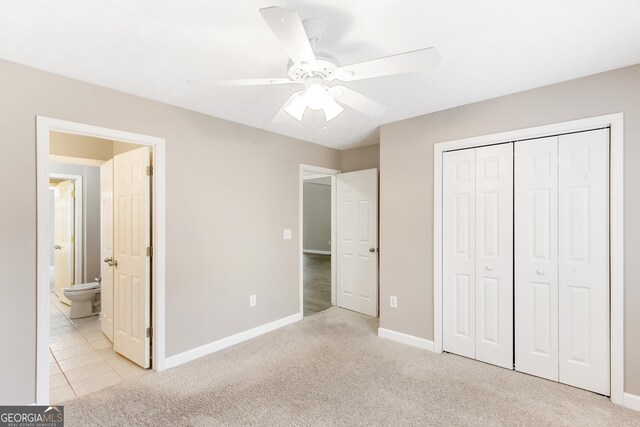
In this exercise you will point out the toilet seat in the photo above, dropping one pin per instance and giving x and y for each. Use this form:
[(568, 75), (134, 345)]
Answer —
[(83, 287)]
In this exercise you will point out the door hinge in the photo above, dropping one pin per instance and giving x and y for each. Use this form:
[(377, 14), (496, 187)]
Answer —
[(73, 239), (149, 170), (149, 251), (149, 332), (73, 193)]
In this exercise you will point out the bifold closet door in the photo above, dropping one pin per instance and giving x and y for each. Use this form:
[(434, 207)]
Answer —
[(584, 260), (562, 259), (536, 260), (478, 253), (494, 255), (459, 254)]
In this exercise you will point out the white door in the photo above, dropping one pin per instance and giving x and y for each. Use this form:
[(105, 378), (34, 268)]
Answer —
[(357, 247), (132, 285), (494, 255), (584, 260), (106, 248), (536, 260), (459, 255), (64, 247)]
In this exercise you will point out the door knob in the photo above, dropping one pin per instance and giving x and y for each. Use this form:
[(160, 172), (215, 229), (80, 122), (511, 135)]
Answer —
[(112, 262), (372, 250), (57, 247), (539, 272), (488, 267)]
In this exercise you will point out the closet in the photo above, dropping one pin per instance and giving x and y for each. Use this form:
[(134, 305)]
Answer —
[(526, 256)]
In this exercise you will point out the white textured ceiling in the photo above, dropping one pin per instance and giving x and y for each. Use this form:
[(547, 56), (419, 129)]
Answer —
[(152, 48)]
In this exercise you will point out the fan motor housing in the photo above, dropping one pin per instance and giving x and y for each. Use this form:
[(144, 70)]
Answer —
[(328, 65)]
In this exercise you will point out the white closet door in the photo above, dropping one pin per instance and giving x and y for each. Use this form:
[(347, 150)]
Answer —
[(584, 260), (536, 259), (358, 241), (494, 255), (459, 231)]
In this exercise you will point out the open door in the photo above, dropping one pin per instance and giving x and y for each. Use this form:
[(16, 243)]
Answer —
[(64, 248), (106, 248), (358, 241), (132, 255)]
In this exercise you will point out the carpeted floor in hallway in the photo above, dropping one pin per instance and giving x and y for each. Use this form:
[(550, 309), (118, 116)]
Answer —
[(332, 369)]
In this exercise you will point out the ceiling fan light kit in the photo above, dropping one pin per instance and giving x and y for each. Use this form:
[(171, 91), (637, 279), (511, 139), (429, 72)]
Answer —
[(317, 69)]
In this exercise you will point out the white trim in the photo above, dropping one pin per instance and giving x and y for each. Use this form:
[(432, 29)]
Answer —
[(80, 273), (80, 161), (616, 191), (632, 401), (44, 126), (317, 170), (313, 251), (406, 339), (223, 343)]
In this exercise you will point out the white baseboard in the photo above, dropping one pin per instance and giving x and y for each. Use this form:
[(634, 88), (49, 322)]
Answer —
[(189, 355), (406, 339), (313, 251), (632, 401)]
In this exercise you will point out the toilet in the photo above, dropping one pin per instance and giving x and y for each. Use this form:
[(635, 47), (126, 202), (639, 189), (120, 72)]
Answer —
[(82, 297)]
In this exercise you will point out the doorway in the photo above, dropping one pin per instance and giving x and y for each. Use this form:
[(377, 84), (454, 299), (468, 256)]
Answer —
[(318, 227), (352, 252), (80, 348), (316, 243)]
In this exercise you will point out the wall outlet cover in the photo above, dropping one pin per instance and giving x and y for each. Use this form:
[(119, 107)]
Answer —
[(286, 234), (252, 301), (393, 301)]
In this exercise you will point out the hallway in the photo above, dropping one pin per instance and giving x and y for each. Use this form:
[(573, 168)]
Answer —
[(317, 283)]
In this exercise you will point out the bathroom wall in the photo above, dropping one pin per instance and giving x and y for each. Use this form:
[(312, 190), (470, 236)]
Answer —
[(91, 216), (86, 147), (317, 214), (230, 192)]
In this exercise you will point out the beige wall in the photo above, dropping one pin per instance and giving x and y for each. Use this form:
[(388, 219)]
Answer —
[(406, 157), (231, 190), (361, 158), (317, 214), (86, 147)]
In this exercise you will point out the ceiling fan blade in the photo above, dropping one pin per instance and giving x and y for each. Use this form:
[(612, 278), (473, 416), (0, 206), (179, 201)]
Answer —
[(242, 82), (287, 26), (408, 62), (294, 107), (357, 101)]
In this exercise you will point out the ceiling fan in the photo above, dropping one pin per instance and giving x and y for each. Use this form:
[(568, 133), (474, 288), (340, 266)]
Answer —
[(315, 69)]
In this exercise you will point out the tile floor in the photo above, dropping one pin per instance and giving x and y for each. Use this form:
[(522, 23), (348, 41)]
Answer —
[(81, 357)]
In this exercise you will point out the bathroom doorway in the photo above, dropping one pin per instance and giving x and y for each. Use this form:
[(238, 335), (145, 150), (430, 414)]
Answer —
[(103, 235)]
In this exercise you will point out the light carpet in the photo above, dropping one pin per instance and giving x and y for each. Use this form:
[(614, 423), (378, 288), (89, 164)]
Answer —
[(332, 369)]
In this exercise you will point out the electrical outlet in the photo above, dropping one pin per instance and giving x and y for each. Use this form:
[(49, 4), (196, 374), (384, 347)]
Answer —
[(393, 301), (252, 301), (286, 234)]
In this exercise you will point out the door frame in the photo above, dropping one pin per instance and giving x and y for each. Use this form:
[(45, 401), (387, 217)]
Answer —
[(616, 225), (80, 273), (333, 173), (44, 125)]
